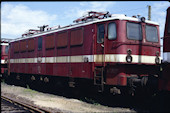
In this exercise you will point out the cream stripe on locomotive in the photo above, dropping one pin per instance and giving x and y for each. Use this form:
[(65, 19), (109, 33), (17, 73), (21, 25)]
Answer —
[(87, 58), (136, 58), (2, 61)]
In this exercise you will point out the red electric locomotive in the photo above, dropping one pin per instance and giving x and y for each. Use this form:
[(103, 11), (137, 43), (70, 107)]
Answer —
[(4, 55), (164, 79), (114, 53)]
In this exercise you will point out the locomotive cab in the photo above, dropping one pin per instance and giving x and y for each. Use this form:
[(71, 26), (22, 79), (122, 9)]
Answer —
[(4, 57), (127, 49)]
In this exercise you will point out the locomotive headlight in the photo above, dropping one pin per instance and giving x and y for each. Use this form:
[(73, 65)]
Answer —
[(129, 57)]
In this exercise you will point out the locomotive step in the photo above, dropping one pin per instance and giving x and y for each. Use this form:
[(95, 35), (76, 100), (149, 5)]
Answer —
[(99, 69), (98, 76), (98, 84)]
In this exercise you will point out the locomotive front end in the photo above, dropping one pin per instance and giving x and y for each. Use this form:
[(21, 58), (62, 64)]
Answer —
[(4, 56), (131, 50)]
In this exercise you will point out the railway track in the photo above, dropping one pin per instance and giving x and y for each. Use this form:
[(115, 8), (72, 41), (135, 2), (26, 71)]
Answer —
[(11, 105), (8, 107)]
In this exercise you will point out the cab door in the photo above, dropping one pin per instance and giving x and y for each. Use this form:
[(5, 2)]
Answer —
[(99, 56), (100, 45)]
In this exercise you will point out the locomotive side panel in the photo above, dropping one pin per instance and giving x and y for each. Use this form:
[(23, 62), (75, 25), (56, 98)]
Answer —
[(49, 53), (81, 52), (16, 56), (23, 56), (40, 54), (12, 56), (61, 66), (31, 56), (87, 71), (76, 36)]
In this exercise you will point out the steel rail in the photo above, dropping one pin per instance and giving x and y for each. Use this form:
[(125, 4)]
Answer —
[(26, 105)]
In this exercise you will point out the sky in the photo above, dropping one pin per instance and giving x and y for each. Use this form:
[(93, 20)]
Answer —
[(18, 17)]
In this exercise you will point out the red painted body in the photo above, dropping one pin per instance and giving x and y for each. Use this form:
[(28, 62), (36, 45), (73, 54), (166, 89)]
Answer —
[(164, 82), (66, 50)]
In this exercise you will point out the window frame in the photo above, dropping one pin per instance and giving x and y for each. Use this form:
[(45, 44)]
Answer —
[(114, 38), (40, 49), (6, 49), (98, 32), (127, 31), (156, 33)]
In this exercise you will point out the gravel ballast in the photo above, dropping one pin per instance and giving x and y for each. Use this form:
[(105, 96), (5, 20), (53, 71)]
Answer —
[(54, 102)]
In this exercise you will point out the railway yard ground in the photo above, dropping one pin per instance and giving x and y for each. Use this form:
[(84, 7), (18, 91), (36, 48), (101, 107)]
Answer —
[(54, 102), (59, 103)]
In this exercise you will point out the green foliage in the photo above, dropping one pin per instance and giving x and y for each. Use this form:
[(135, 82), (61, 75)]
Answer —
[(30, 91), (2, 80), (28, 87), (91, 101)]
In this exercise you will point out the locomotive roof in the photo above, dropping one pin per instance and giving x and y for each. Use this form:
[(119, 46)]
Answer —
[(5, 40), (113, 17)]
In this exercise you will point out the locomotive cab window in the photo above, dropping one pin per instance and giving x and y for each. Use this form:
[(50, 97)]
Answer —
[(134, 31), (111, 31), (151, 33), (40, 43), (100, 33)]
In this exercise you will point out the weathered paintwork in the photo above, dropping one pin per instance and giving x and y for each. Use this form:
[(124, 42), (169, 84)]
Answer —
[(78, 58)]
